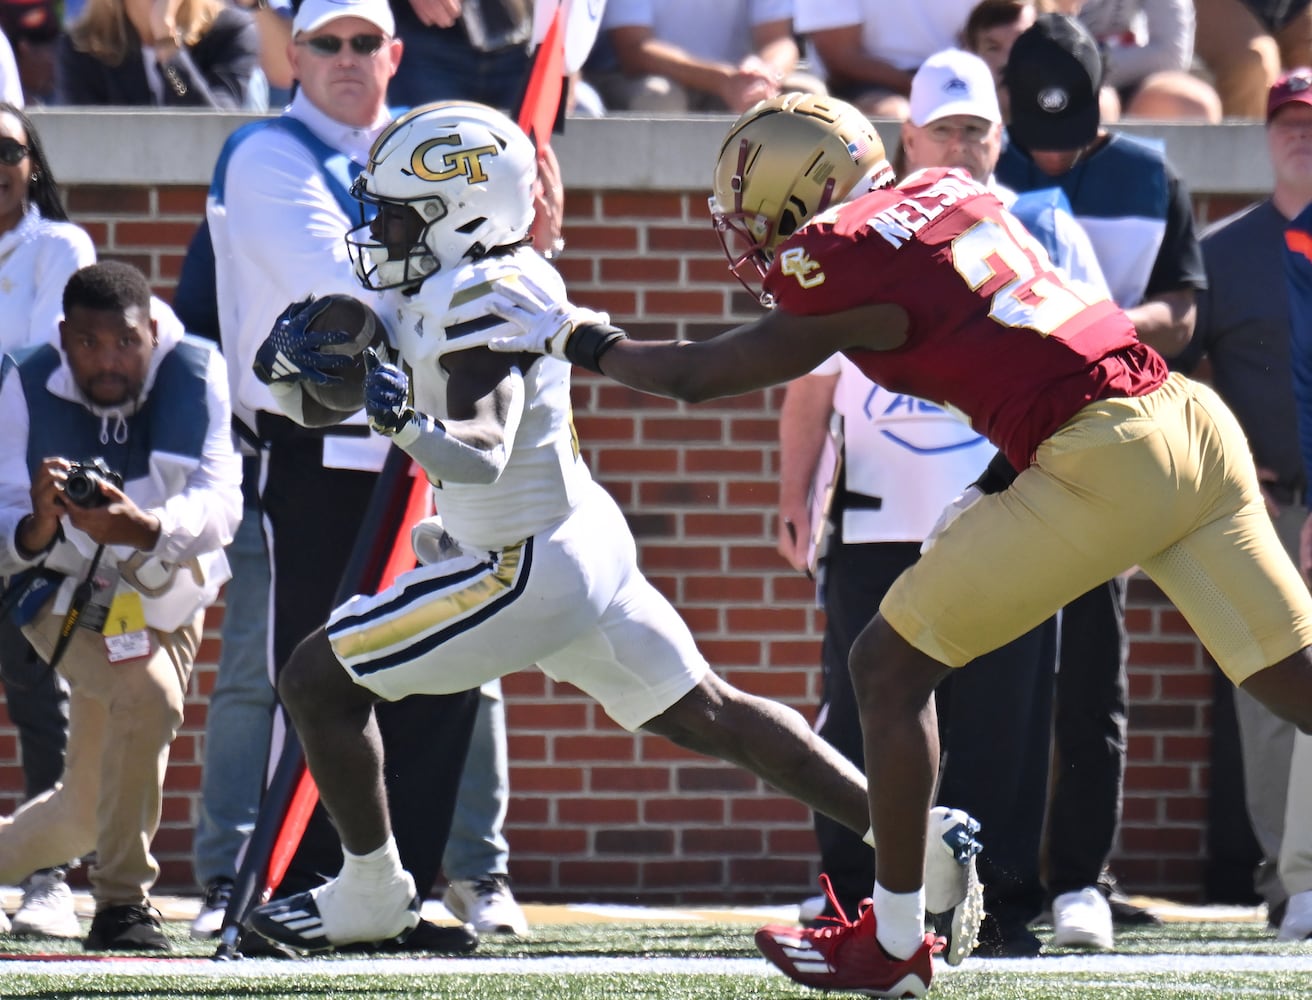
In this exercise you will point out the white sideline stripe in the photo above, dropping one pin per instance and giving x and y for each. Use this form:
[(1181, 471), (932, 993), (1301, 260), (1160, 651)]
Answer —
[(204, 968)]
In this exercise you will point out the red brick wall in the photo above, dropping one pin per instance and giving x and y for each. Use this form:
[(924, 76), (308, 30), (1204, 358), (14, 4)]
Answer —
[(597, 813)]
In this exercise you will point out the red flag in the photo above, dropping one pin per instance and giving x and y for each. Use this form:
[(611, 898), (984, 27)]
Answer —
[(546, 85)]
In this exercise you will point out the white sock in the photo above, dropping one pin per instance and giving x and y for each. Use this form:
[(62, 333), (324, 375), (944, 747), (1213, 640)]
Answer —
[(869, 838), (380, 867), (899, 920)]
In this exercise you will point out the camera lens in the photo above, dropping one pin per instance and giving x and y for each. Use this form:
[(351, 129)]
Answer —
[(81, 488)]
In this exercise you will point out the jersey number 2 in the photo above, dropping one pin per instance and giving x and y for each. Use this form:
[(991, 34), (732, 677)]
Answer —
[(1035, 297)]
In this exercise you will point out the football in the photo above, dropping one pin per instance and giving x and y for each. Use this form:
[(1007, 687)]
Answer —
[(344, 312)]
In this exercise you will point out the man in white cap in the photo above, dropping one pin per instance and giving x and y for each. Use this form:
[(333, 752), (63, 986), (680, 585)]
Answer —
[(278, 210), (954, 119)]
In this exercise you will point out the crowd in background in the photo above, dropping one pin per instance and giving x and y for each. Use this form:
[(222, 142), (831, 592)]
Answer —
[(1120, 60)]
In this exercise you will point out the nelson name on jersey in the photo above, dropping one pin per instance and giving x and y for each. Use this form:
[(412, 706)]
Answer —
[(899, 222)]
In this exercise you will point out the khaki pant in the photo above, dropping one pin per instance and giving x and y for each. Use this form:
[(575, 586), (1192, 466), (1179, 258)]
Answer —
[(122, 718), (1164, 482)]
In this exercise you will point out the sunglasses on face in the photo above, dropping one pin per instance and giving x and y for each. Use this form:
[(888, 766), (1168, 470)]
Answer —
[(330, 45), (12, 152)]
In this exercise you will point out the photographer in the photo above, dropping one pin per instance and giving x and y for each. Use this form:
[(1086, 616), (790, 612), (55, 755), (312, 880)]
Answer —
[(119, 488)]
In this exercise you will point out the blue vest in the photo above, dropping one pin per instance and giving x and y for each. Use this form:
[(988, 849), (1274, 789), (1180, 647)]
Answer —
[(196, 299), (173, 418)]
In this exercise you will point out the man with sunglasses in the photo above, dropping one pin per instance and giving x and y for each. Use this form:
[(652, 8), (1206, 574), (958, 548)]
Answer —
[(278, 210)]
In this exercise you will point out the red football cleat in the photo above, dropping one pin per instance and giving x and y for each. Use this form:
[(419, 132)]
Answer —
[(844, 955)]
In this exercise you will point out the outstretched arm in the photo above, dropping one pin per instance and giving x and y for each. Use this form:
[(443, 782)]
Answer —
[(775, 348)]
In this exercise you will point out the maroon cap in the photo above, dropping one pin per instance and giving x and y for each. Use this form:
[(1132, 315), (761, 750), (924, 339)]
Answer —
[(1293, 85)]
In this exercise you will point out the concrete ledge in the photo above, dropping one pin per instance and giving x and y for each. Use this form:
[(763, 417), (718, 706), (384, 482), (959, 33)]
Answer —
[(122, 146)]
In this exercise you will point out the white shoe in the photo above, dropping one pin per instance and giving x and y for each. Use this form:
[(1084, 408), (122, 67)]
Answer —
[(209, 921), (5, 926), (950, 851), (1082, 920), (487, 903), (1297, 922), (335, 914), (47, 909)]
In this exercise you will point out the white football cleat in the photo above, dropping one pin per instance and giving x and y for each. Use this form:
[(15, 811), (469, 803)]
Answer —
[(954, 897), (335, 914)]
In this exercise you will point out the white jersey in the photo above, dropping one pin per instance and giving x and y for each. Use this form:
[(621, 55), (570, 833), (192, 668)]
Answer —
[(544, 477)]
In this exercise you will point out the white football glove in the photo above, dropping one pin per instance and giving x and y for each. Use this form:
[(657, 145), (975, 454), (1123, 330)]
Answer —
[(548, 327), (950, 513)]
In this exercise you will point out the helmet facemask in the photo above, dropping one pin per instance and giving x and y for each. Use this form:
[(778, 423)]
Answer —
[(461, 177), (381, 261)]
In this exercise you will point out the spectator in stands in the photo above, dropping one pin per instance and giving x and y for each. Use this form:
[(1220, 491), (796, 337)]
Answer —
[(689, 55), (471, 51), (196, 53), (991, 29), (1139, 216), (127, 387), (32, 27), (1246, 43), (39, 251), (1148, 48), (868, 50), (273, 20)]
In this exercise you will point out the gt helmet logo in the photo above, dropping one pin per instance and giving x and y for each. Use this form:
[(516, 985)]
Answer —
[(463, 162)]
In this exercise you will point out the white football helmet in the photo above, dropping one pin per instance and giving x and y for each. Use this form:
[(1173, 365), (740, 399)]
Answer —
[(466, 170), (784, 161)]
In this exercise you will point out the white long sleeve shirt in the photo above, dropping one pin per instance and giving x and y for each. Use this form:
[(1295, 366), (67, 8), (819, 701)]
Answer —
[(278, 237), (37, 257)]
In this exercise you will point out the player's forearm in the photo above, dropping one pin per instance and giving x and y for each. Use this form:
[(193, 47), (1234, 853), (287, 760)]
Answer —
[(447, 458), (1166, 322)]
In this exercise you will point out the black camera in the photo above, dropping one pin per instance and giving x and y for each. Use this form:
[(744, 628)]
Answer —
[(82, 486)]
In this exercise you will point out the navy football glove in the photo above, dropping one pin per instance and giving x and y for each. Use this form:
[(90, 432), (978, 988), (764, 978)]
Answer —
[(294, 353), (386, 395)]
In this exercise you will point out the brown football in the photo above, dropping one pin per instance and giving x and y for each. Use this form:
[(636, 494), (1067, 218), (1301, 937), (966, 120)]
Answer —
[(344, 312)]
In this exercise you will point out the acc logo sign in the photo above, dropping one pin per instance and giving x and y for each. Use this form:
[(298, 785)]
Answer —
[(917, 426), (795, 262), (466, 163)]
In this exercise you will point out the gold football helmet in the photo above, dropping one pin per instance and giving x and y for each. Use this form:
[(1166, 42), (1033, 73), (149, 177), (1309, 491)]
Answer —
[(784, 161)]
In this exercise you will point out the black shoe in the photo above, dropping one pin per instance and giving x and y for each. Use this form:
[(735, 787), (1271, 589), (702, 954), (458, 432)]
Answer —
[(1124, 913), (127, 928), (1009, 940), (427, 936)]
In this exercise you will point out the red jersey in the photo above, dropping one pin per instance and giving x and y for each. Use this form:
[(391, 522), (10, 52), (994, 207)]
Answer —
[(994, 332)]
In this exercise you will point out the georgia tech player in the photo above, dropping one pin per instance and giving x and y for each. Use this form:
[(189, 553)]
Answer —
[(531, 562), (933, 289)]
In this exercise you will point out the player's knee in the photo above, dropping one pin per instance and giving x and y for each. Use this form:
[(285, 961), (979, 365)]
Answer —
[(887, 671), (306, 677)]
